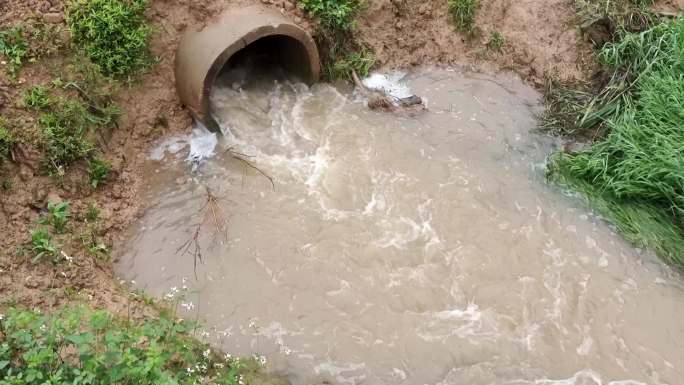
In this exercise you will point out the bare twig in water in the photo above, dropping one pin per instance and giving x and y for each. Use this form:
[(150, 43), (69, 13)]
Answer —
[(241, 157), (211, 210)]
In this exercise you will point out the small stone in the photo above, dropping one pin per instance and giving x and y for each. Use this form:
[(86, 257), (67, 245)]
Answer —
[(53, 17), (297, 19)]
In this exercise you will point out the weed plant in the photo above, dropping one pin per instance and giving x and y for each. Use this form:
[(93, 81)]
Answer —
[(14, 48), (114, 34), (98, 170), (635, 176), (37, 98), (496, 42), (58, 216), (462, 14), (77, 345), (42, 246)]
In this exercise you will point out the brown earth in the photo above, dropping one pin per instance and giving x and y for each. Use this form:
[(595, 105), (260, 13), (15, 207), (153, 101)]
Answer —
[(542, 41)]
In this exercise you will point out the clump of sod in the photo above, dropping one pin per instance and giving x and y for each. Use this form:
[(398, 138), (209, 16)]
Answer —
[(635, 175), (114, 34)]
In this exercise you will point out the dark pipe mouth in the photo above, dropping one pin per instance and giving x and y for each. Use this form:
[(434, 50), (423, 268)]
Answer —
[(255, 31), (271, 52)]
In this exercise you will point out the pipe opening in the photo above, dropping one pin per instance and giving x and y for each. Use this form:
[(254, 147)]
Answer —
[(273, 52), (257, 34)]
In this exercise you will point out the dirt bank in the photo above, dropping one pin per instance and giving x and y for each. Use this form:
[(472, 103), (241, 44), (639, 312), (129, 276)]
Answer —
[(541, 40)]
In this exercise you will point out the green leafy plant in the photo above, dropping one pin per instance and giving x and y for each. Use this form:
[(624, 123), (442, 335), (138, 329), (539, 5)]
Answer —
[(77, 345), (462, 14), (98, 170), (496, 42), (58, 216), (113, 33), (36, 97), (634, 175), (14, 48), (41, 245), (333, 14), (360, 62)]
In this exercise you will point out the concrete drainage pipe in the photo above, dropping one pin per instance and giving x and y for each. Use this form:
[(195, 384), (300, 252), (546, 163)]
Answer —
[(202, 54)]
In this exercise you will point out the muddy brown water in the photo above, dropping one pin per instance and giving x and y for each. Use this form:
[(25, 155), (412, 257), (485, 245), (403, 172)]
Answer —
[(398, 249)]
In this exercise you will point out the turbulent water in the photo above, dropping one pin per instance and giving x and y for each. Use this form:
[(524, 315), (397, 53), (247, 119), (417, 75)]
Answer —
[(399, 249)]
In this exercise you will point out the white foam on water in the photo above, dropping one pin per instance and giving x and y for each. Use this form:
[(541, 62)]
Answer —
[(460, 323), (583, 377), (171, 145), (390, 83), (202, 144), (342, 371)]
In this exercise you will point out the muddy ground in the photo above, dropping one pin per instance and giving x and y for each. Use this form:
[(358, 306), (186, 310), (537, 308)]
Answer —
[(542, 41)]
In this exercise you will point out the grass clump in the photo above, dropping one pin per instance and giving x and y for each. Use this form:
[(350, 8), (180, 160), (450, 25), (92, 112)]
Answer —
[(615, 16), (635, 175), (78, 345), (37, 98), (13, 48), (114, 34), (333, 14), (67, 128), (496, 42), (462, 14), (360, 62)]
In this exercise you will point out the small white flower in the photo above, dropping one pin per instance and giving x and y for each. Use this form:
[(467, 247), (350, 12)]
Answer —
[(190, 370), (218, 365), (2, 317), (43, 328), (188, 305), (228, 356), (204, 334), (206, 353)]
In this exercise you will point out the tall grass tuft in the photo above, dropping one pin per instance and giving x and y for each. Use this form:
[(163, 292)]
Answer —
[(635, 176), (462, 14)]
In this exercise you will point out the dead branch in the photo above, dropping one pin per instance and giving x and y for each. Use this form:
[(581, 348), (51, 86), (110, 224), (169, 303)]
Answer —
[(210, 210), (241, 158)]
